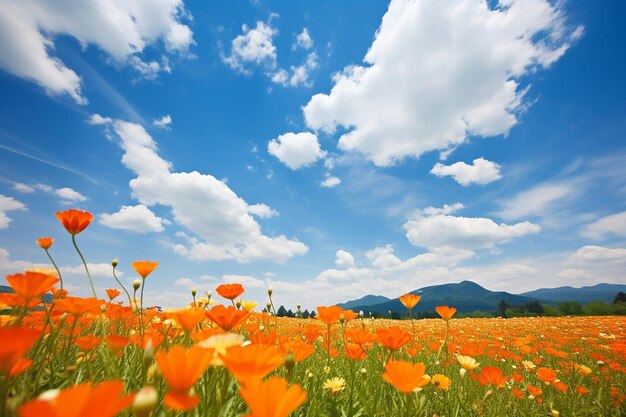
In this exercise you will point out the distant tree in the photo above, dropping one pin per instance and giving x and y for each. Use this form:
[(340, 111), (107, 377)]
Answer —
[(313, 314), (534, 308), (305, 314), (597, 308), (502, 307), (290, 313), (395, 315), (570, 308), (620, 297), (282, 311), (550, 310)]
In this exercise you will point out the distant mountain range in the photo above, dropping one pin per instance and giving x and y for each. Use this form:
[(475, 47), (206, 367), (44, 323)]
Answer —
[(468, 296)]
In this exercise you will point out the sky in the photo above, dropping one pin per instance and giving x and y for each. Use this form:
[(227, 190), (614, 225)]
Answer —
[(328, 150)]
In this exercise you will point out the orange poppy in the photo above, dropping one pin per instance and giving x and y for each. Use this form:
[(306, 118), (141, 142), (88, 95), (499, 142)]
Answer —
[(13, 300), (45, 242), (440, 381), (393, 338), (405, 376), (226, 317), (300, 349), (86, 343), (58, 293), (354, 352), (492, 376), (534, 391), (31, 284), (112, 293), (360, 335), (104, 400), (144, 268), (272, 398), (410, 300), (266, 339), (546, 374), (181, 369), (77, 306), (230, 291), (329, 315), (445, 312), (187, 318), (16, 342), (251, 362), (117, 343), (74, 221), (348, 315)]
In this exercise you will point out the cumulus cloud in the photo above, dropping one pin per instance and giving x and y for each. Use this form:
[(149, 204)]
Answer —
[(296, 150), (441, 231), (223, 229), (139, 219), (8, 204), (254, 46), (615, 225), (23, 188), (330, 181), (344, 259), (438, 72), (262, 210), (9, 265), (97, 270), (163, 123), (481, 172), (297, 74), (303, 40), (121, 29), (446, 209), (573, 273), (69, 195), (595, 255)]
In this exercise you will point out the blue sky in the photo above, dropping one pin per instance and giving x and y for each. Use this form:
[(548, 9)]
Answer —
[(329, 150)]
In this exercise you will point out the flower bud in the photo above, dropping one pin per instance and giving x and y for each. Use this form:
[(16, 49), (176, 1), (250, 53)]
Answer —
[(114, 262), (148, 354), (145, 401), (269, 291), (462, 372), (136, 284), (193, 292), (290, 361)]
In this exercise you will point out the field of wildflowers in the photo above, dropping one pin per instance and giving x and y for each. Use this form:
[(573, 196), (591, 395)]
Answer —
[(67, 356)]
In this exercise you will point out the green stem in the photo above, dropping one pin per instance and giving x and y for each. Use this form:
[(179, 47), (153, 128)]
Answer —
[(445, 340), (55, 267), (130, 304), (85, 264)]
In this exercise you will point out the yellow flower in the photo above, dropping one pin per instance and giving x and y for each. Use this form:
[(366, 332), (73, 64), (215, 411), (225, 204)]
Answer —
[(220, 343), (248, 305), (529, 365), (335, 385), (467, 362), (440, 381), (584, 370)]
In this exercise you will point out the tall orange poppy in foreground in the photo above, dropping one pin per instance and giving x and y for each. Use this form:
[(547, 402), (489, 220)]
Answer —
[(329, 315), (104, 400), (226, 317), (405, 376), (45, 242), (144, 268), (181, 369), (16, 341), (74, 221), (445, 312), (272, 398), (393, 338), (31, 284), (230, 291), (251, 362), (410, 300)]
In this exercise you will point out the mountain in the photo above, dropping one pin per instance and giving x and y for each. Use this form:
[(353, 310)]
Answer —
[(599, 292), (5, 288), (368, 300), (466, 296)]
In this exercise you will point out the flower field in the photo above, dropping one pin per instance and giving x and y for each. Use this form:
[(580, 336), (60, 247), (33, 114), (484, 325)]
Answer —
[(107, 355)]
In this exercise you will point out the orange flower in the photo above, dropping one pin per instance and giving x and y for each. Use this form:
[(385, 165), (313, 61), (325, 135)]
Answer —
[(405, 376), (86, 343), (393, 338), (45, 242), (272, 398), (16, 342), (187, 318), (517, 393), (12, 300), (31, 284), (105, 400), (410, 300), (77, 306), (226, 317), (445, 312), (251, 362), (354, 352), (230, 291), (117, 343), (493, 376), (547, 375), (360, 335), (329, 315), (300, 349), (144, 268), (112, 293), (534, 391), (74, 221), (440, 381), (181, 369)]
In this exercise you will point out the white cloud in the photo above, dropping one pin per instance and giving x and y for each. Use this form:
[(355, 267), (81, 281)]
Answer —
[(223, 229), (121, 29), (298, 74), (438, 72), (596, 255), (99, 270), (296, 150), (537, 201), (572, 273), (96, 119), (13, 267), (303, 40), (441, 231), (516, 270), (139, 219), (254, 46), (446, 209), (8, 204), (330, 181), (344, 259), (262, 210), (185, 282), (480, 172), (615, 224), (23, 188), (69, 195), (163, 123)]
